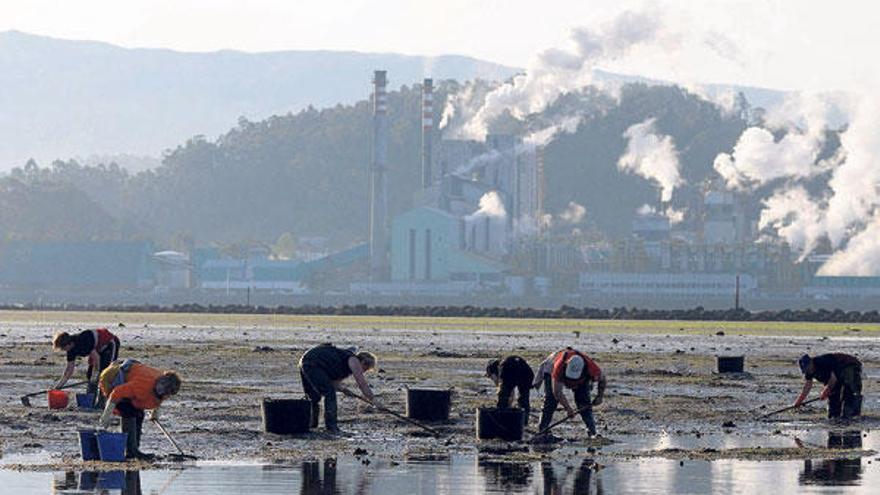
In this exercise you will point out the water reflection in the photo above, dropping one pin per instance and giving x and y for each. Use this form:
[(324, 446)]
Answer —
[(467, 473), (124, 482), (506, 476), (555, 485), (835, 472), (315, 484)]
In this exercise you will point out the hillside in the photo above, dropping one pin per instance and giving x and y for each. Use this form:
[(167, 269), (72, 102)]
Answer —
[(306, 173), (63, 98)]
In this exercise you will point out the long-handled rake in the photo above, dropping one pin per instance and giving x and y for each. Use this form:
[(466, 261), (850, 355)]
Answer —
[(771, 413), (26, 399), (180, 453), (430, 430), (563, 420)]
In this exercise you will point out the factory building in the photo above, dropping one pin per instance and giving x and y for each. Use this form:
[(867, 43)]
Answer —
[(428, 244), (666, 285)]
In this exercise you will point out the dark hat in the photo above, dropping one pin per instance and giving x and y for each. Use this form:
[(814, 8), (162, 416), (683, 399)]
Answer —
[(804, 363)]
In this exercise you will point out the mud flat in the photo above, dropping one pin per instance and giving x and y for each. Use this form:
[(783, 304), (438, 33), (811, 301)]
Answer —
[(664, 398)]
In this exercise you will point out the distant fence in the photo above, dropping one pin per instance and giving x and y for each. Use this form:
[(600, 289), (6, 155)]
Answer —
[(623, 313)]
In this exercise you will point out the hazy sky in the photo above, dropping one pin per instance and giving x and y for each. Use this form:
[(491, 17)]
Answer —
[(798, 44)]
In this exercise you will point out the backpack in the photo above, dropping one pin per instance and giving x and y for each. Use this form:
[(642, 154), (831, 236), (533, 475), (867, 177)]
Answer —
[(114, 375)]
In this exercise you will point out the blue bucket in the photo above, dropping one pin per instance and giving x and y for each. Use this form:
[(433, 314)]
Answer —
[(88, 480), (85, 401), (88, 445), (111, 446), (111, 480)]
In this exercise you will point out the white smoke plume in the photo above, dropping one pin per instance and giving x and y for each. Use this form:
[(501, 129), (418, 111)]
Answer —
[(861, 257), (674, 216), (573, 213), (845, 213), (477, 161), (646, 210), (556, 71), (794, 216), (567, 125), (491, 205), (758, 157), (490, 215), (651, 156)]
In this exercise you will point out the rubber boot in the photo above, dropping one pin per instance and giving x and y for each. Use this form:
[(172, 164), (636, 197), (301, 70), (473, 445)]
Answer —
[(330, 413), (132, 426), (316, 410)]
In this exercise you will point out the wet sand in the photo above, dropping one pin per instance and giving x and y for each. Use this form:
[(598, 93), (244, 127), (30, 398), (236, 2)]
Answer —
[(663, 399)]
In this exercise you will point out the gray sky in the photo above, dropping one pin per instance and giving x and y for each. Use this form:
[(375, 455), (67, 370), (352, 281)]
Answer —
[(801, 44)]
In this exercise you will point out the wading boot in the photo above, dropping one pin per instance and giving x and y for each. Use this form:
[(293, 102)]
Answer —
[(132, 446)]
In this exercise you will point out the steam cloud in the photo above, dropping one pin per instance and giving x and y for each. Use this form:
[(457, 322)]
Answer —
[(491, 205), (846, 211), (554, 72), (651, 156), (573, 213)]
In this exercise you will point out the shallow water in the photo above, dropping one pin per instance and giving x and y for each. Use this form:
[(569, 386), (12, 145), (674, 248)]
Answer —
[(468, 474)]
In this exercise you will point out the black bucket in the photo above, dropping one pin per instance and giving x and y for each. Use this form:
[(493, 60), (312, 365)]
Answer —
[(506, 424), (730, 364), (428, 404), (287, 416)]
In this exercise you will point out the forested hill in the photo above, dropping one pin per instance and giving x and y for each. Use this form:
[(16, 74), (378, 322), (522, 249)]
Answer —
[(306, 174), (65, 98)]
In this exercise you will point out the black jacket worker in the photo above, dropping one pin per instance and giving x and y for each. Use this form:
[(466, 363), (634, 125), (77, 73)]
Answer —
[(322, 370), (509, 373), (100, 347), (574, 370), (842, 376)]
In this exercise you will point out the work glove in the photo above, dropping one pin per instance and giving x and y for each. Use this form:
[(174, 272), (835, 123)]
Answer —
[(598, 400), (104, 420)]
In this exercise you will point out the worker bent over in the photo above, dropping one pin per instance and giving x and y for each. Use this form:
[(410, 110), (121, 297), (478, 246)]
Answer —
[(131, 387), (573, 370), (100, 347), (842, 376), (322, 370), (509, 373)]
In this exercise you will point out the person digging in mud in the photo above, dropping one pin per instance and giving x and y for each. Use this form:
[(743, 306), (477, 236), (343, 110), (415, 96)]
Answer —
[(100, 347), (842, 376), (509, 373), (322, 370), (130, 388), (570, 369)]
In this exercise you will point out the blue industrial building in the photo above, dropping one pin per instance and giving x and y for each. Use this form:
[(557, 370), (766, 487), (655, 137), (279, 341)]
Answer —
[(429, 245)]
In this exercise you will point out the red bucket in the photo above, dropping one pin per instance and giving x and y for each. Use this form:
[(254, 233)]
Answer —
[(58, 399)]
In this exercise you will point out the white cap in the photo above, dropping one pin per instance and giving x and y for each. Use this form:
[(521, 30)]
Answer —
[(574, 368)]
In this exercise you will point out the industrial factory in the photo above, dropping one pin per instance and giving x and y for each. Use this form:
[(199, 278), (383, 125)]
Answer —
[(477, 229)]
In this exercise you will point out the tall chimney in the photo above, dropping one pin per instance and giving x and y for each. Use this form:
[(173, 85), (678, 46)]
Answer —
[(427, 132), (539, 165), (378, 182)]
